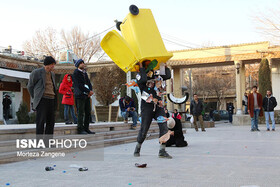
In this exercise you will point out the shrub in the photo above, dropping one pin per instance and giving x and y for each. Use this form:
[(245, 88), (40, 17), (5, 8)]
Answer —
[(32, 117), (264, 77), (22, 114), (107, 84)]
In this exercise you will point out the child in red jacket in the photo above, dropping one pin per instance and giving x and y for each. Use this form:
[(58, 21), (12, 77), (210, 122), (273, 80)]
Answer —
[(68, 99)]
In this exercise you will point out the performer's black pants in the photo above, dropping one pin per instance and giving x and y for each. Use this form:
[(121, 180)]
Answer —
[(148, 114)]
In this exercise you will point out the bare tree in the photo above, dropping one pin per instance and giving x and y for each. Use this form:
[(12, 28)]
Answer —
[(252, 72), (44, 42), (268, 24), (107, 84), (220, 86), (213, 82), (81, 44), (49, 42)]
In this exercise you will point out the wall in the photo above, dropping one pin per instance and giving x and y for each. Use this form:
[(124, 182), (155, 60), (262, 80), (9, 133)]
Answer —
[(275, 77)]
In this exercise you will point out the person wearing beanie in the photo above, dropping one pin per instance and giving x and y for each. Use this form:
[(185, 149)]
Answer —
[(82, 93), (41, 86)]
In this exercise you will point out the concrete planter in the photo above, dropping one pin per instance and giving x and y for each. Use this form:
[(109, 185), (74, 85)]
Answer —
[(106, 113)]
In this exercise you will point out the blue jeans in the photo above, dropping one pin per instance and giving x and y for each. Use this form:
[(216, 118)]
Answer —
[(255, 119), (132, 114), (246, 110), (66, 113), (271, 115)]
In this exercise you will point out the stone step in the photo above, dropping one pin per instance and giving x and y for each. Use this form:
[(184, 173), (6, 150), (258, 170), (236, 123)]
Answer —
[(20, 131), (10, 145), (11, 156)]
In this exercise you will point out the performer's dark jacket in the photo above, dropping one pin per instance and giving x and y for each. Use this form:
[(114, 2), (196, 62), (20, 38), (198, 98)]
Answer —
[(150, 110), (178, 138), (143, 80), (80, 79)]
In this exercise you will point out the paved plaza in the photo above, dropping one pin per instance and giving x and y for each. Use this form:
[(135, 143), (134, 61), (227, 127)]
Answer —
[(222, 156)]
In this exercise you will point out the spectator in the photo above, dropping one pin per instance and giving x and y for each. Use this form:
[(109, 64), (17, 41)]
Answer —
[(176, 136), (269, 103), (196, 110), (255, 108), (41, 86), (230, 109), (82, 93), (6, 107), (211, 114), (245, 103), (128, 110), (68, 98), (176, 115), (167, 113)]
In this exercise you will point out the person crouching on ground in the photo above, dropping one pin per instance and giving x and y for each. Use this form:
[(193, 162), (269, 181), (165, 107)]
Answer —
[(82, 92), (68, 99), (176, 135), (128, 110)]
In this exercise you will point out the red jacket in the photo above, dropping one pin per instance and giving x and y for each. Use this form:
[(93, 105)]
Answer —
[(65, 89), (178, 116), (251, 103)]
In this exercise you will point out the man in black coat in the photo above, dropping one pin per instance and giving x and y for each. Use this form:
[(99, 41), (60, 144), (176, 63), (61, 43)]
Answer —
[(6, 107), (269, 103), (151, 107), (82, 93), (196, 109), (230, 109), (176, 136)]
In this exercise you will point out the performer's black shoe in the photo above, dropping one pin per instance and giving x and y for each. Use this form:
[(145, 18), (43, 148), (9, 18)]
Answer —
[(89, 132), (163, 154), (137, 151)]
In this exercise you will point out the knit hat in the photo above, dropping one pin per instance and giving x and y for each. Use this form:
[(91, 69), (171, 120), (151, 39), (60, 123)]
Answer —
[(49, 60), (78, 62)]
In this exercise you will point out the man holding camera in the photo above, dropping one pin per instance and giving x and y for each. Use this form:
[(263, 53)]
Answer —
[(128, 110)]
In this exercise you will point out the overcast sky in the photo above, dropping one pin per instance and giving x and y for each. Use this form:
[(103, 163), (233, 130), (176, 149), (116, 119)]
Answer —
[(192, 23)]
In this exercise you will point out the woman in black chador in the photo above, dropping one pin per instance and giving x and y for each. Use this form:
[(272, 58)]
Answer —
[(176, 137), (152, 87)]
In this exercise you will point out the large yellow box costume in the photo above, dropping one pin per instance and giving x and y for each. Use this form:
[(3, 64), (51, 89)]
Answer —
[(140, 41)]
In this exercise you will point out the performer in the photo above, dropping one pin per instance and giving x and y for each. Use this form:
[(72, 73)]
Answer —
[(177, 136), (151, 106)]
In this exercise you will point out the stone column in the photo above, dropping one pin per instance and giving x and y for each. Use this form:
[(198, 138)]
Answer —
[(275, 77), (128, 79), (240, 85), (169, 90), (177, 85)]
